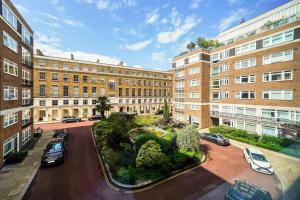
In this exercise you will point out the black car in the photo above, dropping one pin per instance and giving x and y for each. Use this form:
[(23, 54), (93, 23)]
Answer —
[(177, 124), (71, 119), (54, 153), (62, 133), (216, 138), (243, 190), (95, 117)]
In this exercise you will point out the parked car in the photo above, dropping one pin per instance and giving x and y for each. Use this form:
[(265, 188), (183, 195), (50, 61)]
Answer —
[(177, 124), (54, 153), (95, 117), (61, 133), (216, 138), (71, 119), (257, 161), (243, 190)]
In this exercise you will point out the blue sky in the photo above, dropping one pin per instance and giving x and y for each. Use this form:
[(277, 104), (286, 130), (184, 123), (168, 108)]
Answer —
[(141, 33)]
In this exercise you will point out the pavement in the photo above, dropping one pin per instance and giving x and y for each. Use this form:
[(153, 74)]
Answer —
[(15, 179), (80, 177), (286, 167), (60, 125)]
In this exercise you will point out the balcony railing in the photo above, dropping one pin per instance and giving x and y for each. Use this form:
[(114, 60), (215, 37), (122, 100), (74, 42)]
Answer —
[(27, 122), (179, 109), (179, 88), (27, 82), (179, 99), (179, 77), (27, 102)]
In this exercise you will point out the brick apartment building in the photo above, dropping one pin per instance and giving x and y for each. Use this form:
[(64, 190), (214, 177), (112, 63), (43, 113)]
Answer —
[(69, 87), (254, 79), (15, 80)]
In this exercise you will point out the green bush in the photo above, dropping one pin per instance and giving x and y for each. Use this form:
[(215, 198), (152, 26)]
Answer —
[(128, 155), (188, 139), (150, 156), (181, 159), (15, 157), (146, 120), (126, 175)]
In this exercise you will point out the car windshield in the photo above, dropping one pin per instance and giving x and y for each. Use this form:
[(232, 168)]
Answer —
[(220, 136), (54, 147), (258, 157)]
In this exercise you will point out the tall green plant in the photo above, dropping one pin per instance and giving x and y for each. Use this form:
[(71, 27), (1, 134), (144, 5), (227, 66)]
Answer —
[(103, 105), (188, 139), (166, 111)]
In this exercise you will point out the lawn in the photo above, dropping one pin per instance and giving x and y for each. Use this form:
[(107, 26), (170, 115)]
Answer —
[(136, 151)]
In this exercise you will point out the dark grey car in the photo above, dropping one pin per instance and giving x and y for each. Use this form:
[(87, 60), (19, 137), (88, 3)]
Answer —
[(54, 152), (216, 138), (71, 119), (243, 190)]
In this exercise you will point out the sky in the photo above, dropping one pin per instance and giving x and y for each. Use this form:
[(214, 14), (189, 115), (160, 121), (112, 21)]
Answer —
[(141, 33)]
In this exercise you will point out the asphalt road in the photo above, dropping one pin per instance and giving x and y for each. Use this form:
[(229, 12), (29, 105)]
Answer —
[(80, 177)]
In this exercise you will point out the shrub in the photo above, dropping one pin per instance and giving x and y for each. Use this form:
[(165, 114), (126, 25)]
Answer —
[(150, 156), (181, 159), (15, 157), (126, 175), (188, 139), (128, 155), (146, 120)]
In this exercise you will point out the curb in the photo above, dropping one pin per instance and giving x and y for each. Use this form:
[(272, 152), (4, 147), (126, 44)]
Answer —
[(130, 191)]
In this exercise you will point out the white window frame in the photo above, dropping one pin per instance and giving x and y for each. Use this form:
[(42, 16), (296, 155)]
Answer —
[(239, 94), (10, 66), (281, 92), (10, 93), (10, 119), (10, 42), (284, 56)]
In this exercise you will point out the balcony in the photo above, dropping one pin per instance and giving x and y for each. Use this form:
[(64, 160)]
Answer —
[(27, 82), (214, 113), (179, 99), (179, 78), (228, 115), (27, 122), (28, 63), (27, 102), (179, 88)]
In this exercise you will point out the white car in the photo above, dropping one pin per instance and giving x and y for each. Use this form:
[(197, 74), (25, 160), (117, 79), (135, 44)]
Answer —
[(257, 161)]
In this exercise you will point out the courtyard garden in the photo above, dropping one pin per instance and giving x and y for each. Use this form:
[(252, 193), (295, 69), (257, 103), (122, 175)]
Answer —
[(145, 149)]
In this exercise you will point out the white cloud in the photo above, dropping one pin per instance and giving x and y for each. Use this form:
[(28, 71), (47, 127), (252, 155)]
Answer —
[(139, 45), (49, 16), (233, 1), (88, 1), (114, 5), (172, 36), (50, 24), (54, 2), (234, 16), (152, 17), (130, 3), (158, 56), (175, 20), (73, 22), (51, 46), (195, 4), (164, 21)]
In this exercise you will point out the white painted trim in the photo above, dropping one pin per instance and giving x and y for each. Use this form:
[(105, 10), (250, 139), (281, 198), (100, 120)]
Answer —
[(259, 106), (13, 110)]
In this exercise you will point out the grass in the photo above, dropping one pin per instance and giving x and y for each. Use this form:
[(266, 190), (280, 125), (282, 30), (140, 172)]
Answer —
[(146, 120)]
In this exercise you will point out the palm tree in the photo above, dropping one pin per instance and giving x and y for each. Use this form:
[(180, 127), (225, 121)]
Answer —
[(103, 105)]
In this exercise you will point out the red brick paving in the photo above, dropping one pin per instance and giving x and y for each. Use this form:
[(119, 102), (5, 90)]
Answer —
[(80, 176), (60, 125)]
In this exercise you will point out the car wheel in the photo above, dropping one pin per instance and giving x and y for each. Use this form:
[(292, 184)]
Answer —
[(77, 120)]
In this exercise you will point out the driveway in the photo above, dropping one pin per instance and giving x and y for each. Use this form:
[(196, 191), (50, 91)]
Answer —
[(80, 176)]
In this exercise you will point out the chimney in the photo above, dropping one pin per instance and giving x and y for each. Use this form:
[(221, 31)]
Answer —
[(72, 57), (39, 52), (121, 63), (98, 60)]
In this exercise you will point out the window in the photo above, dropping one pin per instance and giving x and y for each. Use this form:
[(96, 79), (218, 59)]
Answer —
[(85, 91), (94, 69), (111, 85), (10, 93), (278, 94), (9, 15), (26, 76), (179, 64), (224, 81), (10, 144), (120, 92), (94, 79), (245, 79), (42, 103), (54, 102), (76, 102), (85, 69), (245, 63), (10, 67), (193, 95), (55, 66), (10, 42), (10, 119), (194, 83), (65, 91), (215, 71), (127, 92), (85, 79), (278, 76), (26, 135), (133, 92), (42, 75), (245, 95), (245, 48), (75, 91), (65, 102), (251, 127), (75, 78), (65, 77), (42, 91), (250, 111), (85, 102), (26, 56), (267, 113), (54, 91), (65, 67), (224, 95), (102, 91), (94, 92), (26, 96), (268, 130), (75, 68), (54, 77), (278, 38), (194, 107), (278, 57)]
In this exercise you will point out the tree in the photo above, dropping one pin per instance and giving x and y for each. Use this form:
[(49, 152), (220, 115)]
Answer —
[(103, 105), (166, 110), (151, 156), (188, 139), (190, 46), (201, 42)]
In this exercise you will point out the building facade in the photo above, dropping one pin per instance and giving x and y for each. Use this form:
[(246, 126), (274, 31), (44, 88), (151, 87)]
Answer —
[(255, 75), (15, 80), (69, 87)]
